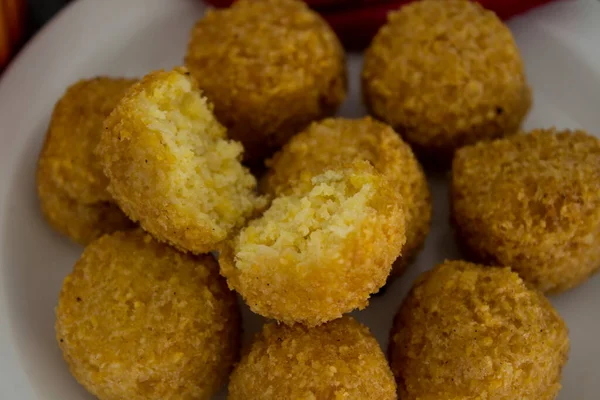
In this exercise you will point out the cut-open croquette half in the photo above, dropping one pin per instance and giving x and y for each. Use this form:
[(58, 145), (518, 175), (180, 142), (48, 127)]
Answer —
[(337, 360), (138, 320), (70, 182), (531, 202), (467, 331), (329, 142), (171, 166), (270, 67), (320, 251), (446, 73)]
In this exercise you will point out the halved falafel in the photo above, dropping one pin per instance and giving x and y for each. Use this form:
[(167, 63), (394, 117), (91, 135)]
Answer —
[(171, 166), (321, 250)]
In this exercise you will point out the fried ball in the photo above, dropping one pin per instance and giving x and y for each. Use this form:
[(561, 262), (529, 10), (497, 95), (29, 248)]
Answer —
[(471, 332), (171, 166), (70, 183), (446, 73), (320, 251), (338, 360), (270, 67), (531, 202), (136, 319), (332, 141)]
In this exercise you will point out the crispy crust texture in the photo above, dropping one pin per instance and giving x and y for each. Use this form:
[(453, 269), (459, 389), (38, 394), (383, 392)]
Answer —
[(82, 223), (531, 202), (70, 183), (338, 360), (471, 332), (445, 74), (171, 166), (136, 319), (270, 67), (321, 251), (333, 141)]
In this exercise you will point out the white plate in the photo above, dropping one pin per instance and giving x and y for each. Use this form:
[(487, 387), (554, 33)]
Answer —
[(129, 38)]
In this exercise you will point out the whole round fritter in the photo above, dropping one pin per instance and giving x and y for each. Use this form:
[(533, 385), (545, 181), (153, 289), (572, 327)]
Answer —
[(320, 251), (171, 166), (333, 141), (270, 67), (136, 319), (531, 202), (471, 332), (338, 360), (70, 183), (445, 73)]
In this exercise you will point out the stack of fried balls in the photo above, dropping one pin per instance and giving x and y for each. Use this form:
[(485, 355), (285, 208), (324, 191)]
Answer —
[(154, 177)]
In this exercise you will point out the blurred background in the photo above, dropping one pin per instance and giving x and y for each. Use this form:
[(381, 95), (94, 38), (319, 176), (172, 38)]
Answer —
[(355, 21), (19, 20)]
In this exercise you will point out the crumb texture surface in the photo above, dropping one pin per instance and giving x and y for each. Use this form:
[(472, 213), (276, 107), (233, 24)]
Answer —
[(321, 250), (70, 182), (338, 360), (171, 166), (471, 332), (532, 202), (136, 319), (445, 74), (334, 141), (270, 67)]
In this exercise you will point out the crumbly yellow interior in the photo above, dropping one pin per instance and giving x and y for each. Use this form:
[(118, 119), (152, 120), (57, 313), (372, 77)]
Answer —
[(302, 227), (208, 164)]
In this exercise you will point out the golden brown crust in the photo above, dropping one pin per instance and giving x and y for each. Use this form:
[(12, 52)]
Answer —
[(270, 67), (70, 183), (532, 202), (445, 74), (171, 166), (471, 332), (82, 223), (138, 320), (74, 132), (336, 273), (338, 360), (333, 141)]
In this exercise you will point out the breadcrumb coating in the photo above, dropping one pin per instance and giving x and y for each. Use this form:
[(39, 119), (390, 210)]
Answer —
[(532, 202), (337, 360), (82, 223), (171, 166), (329, 142), (467, 331), (446, 73), (270, 67), (320, 251), (70, 183), (137, 320)]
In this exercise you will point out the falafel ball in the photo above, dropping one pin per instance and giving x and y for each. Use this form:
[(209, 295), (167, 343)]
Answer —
[(444, 74), (331, 141), (171, 166), (70, 183), (270, 67), (337, 360), (320, 251), (136, 319), (531, 202), (467, 331)]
